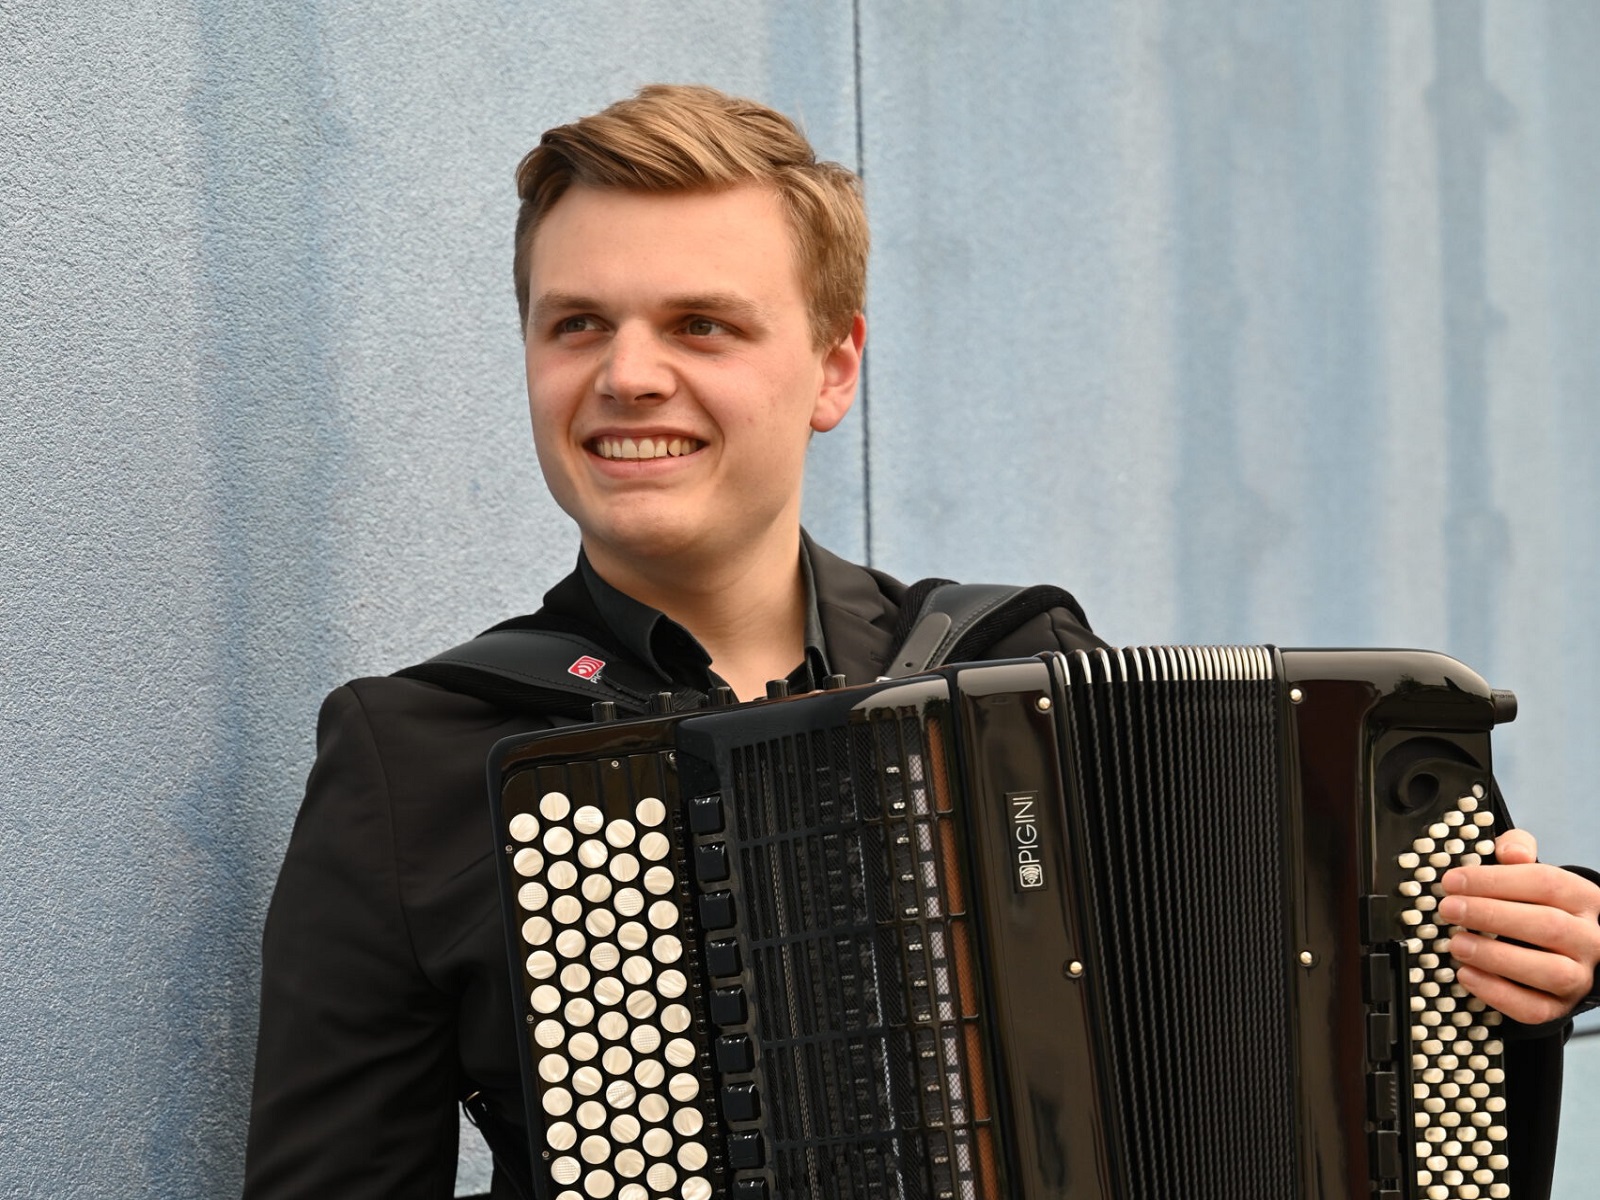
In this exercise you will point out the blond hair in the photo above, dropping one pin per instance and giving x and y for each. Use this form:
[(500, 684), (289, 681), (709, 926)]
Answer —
[(686, 138)]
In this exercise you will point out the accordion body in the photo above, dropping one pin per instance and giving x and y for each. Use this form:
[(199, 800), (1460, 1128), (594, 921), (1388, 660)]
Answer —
[(1127, 925)]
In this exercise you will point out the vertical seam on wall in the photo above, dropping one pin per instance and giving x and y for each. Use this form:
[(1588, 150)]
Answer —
[(862, 385)]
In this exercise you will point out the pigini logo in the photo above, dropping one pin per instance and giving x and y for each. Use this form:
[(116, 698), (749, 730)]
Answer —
[(1022, 813)]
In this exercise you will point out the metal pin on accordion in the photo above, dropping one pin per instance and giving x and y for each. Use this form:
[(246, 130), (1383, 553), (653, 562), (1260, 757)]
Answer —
[(1307, 958), (1073, 970), (1042, 703), (1296, 695)]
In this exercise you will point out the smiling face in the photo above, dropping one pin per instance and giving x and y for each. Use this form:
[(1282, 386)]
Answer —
[(672, 376)]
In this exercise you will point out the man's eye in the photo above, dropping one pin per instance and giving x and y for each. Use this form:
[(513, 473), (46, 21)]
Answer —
[(574, 325), (703, 327)]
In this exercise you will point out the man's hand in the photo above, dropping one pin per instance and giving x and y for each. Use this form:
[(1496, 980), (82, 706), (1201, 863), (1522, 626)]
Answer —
[(1554, 911)]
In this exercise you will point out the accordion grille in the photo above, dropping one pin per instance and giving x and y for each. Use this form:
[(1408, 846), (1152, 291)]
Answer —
[(869, 1085), (1179, 781)]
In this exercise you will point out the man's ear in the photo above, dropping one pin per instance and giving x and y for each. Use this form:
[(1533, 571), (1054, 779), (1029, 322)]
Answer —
[(841, 370)]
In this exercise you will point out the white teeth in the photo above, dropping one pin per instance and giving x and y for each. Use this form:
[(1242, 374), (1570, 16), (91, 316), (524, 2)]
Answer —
[(645, 448)]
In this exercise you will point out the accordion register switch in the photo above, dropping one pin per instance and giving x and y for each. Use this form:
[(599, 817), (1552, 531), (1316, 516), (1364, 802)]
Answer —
[(1150, 924)]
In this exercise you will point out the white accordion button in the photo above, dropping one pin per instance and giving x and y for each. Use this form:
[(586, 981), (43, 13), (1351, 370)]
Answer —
[(557, 841), (617, 1060), (574, 977), (524, 827), (554, 806), (675, 1018), (632, 936), (685, 1087), (600, 922), (595, 1149), (628, 902), (549, 1034), (599, 1184), (620, 833), (620, 1094), (688, 1122), (532, 896), (586, 1081), (528, 861), (552, 1068), (649, 1072), (679, 1052), (637, 969), (560, 1136), (661, 1177), (591, 1114), (640, 1005), (624, 868), (653, 1108), (671, 984), (654, 846), (561, 876), (607, 991), (536, 931), (593, 854), (566, 910), (645, 1039), (558, 1103), (663, 914), (630, 1165), (657, 1143), (541, 964), (658, 881), (691, 1156), (545, 999), (633, 1191), (695, 1187), (566, 1170), (570, 943), (588, 819), (613, 1026), (604, 957), (596, 889), (583, 1046), (667, 949), (625, 1128), (650, 811)]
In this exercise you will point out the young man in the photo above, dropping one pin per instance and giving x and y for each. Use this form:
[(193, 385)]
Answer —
[(691, 281)]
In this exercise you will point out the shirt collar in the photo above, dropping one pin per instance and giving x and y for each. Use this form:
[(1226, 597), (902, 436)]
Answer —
[(673, 653)]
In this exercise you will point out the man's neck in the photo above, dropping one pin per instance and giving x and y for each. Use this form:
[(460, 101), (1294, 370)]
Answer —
[(747, 611)]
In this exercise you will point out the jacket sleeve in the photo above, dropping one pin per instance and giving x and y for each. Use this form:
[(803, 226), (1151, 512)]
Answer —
[(355, 1063)]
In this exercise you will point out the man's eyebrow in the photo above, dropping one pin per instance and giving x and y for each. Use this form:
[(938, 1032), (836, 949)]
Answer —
[(729, 304), (550, 303)]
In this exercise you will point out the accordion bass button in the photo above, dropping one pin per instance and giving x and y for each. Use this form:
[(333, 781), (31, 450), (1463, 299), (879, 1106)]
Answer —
[(741, 1102), (735, 1054), (722, 956), (745, 1153), (711, 862), (751, 1189), (728, 1006), (716, 910), (705, 813)]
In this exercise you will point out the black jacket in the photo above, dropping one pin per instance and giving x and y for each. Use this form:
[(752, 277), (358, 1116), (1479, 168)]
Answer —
[(385, 990)]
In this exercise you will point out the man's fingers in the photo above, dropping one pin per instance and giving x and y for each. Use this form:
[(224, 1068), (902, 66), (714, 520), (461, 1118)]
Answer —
[(1530, 883), (1516, 846), (1564, 979), (1517, 1002)]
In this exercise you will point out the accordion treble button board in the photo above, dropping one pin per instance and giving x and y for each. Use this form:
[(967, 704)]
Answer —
[(1448, 1110), (615, 1011)]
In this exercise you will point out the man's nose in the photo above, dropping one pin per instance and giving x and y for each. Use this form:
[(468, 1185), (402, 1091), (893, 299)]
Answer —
[(636, 366)]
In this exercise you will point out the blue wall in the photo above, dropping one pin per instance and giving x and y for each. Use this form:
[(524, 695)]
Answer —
[(1250, 320)]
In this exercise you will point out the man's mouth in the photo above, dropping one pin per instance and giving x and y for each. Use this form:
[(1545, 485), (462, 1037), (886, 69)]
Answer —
[(649, 447)]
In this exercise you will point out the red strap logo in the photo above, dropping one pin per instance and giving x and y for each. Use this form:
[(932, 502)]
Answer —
[(586, 667)]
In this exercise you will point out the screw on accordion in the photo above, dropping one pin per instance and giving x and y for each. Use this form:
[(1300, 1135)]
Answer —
[(1130, 925)]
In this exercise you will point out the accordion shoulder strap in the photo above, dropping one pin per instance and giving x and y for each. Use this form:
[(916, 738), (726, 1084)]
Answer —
[(548, 666), (528, 665), (943, 622)]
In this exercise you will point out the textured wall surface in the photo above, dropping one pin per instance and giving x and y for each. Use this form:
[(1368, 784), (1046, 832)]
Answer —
[(1244, 320)]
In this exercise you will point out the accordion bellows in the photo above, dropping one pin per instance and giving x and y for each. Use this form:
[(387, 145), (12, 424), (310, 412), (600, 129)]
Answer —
[(1131, 925)]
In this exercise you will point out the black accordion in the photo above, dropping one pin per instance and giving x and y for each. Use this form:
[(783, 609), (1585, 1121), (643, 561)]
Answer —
[(1125, 925)]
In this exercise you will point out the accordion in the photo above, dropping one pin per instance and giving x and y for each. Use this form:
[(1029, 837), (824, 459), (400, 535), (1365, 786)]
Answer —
[(1124, 925)]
